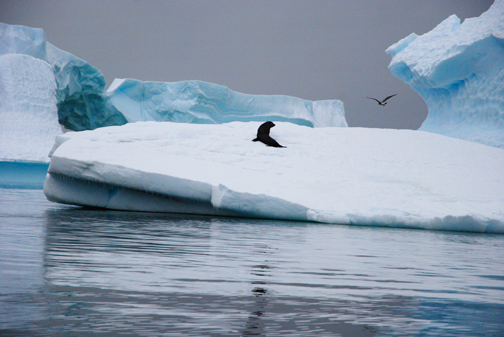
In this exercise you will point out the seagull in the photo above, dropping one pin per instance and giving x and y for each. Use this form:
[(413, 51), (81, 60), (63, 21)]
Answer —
[(384, 102)]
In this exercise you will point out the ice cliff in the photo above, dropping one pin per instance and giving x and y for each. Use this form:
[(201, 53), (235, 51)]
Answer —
[(458, 69), (82, 103), (207, 103), (80, 88), (376, 177), (28, 113)]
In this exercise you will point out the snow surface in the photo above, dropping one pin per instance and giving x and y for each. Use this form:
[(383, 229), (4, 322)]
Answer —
[(28, 113), (207, 103), (458, 69), (399, 178)]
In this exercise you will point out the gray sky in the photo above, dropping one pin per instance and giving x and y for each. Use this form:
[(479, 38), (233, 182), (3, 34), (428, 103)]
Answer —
[(312, 49)]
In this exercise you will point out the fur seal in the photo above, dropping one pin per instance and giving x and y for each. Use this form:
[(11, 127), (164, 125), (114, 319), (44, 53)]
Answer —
[(264, 137)]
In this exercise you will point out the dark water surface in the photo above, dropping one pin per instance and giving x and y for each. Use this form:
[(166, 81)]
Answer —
[(68, 271)]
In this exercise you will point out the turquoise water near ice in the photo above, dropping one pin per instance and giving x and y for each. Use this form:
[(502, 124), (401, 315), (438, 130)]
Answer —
[(69, 271)]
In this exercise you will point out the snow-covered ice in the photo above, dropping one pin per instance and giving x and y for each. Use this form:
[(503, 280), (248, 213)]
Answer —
[(399, 178), (28, 112), (208, 103), (458, 69)]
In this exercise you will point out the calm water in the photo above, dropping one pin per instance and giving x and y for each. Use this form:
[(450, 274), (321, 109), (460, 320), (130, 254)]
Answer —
[(74, 272)]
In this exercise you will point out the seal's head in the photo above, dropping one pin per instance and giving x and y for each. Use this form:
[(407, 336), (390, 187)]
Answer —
[(264, 129)]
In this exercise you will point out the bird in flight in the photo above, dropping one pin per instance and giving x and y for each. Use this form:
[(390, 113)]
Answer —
[(384, 102)]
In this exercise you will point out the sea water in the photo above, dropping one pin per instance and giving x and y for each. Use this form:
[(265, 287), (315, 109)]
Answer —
[(70, 271)]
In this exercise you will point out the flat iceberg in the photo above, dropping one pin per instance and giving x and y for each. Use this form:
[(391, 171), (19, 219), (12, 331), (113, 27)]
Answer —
[(378, 177), (207, 103), (458, 69)]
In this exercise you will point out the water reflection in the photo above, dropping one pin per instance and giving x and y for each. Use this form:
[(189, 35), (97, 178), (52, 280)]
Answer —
[(77, 230), (255, 326), (72, 272), (185, 272)]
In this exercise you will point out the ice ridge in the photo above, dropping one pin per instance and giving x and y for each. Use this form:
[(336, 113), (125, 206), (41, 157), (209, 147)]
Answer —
[(207, 103), (458, 69)]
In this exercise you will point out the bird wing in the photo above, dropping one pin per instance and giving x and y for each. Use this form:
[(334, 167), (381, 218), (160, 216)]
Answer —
[(388, 98), (373, 99)]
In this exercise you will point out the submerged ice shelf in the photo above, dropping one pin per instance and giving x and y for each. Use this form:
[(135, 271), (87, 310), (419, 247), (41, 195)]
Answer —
[(398, 178), (22, 175)]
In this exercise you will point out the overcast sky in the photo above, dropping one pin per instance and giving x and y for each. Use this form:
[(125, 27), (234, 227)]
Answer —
[(310, 49)]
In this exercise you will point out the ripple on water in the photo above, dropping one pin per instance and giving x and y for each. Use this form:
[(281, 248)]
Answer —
[(71, 271)]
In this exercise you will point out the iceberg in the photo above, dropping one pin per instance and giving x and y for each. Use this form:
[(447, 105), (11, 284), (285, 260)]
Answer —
[(458, 69), (28, 120), (28, 112), (358, 176), (83, 104), (80, 88), (44, 89), (22, 40), (208, 103)]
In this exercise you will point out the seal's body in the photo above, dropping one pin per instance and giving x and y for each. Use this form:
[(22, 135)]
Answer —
[(264, 137)]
